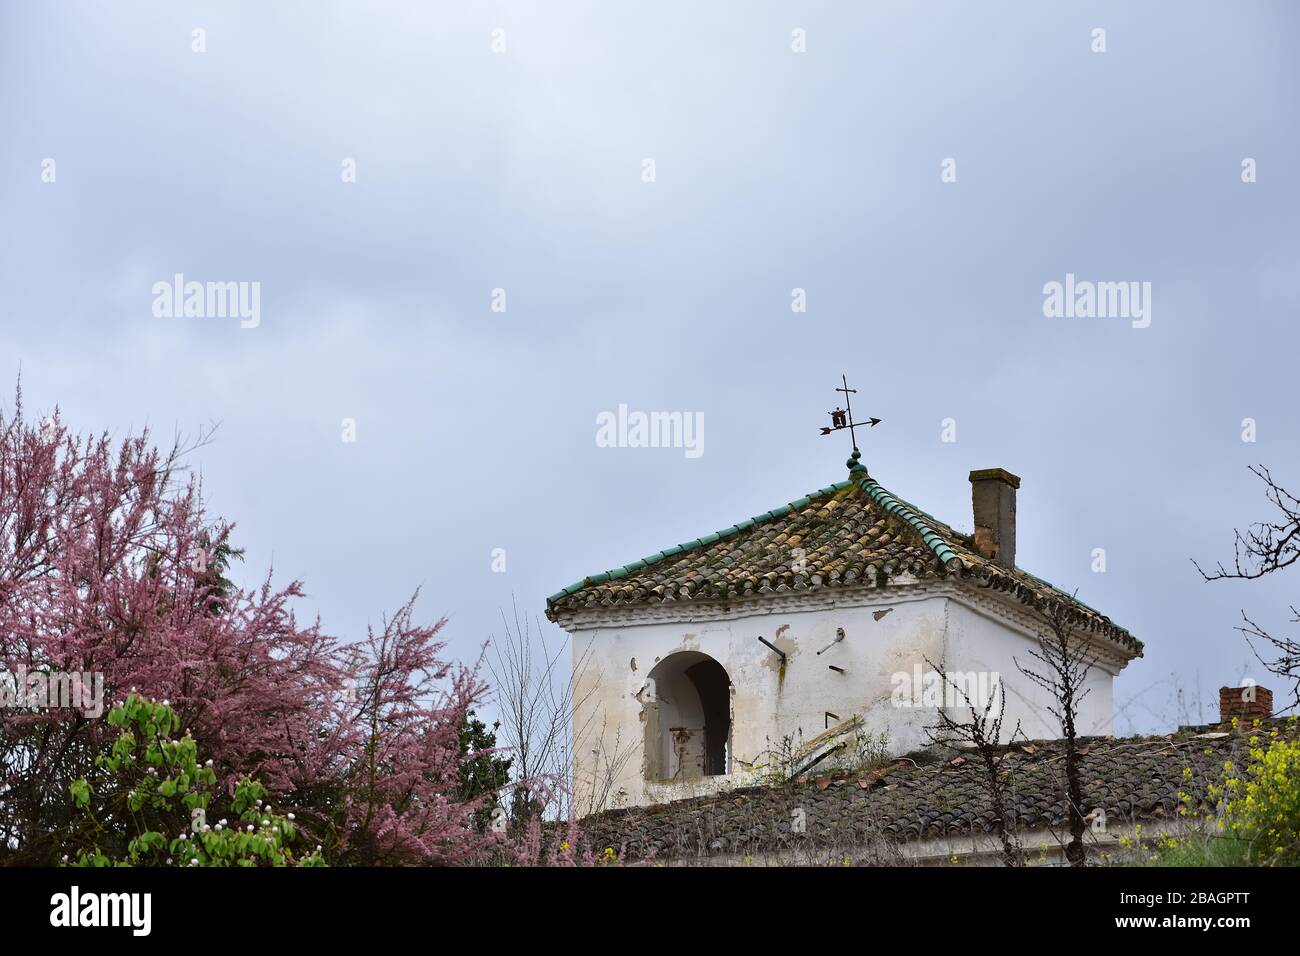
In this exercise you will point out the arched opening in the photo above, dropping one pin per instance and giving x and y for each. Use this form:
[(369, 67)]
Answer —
[(688, 718)]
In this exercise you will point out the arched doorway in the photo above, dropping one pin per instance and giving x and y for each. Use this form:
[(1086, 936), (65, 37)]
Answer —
[(688, 718)]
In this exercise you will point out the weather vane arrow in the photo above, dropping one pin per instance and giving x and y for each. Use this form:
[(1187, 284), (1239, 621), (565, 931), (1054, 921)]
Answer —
[(842, 418)]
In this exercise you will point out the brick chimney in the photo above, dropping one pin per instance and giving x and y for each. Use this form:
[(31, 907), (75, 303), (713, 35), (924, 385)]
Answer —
[(993, 500), (1251, 702)]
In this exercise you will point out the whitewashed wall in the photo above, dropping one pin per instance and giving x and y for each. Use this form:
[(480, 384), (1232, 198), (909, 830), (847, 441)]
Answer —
[(769, 702), (980, 642)]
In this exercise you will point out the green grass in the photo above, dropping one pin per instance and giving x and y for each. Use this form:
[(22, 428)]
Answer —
[(1202, 850)]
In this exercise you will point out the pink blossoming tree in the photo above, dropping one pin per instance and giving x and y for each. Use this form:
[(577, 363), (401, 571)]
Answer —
[(109, 565)]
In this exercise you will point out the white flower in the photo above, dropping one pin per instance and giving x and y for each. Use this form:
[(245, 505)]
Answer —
[(266, 823), (250, 828), (291, 816)]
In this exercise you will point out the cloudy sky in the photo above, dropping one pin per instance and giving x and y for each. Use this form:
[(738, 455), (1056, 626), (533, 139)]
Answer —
[(523, 168)]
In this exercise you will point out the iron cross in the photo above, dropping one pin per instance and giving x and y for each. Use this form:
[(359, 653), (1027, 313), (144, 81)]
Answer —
[(843, 417)]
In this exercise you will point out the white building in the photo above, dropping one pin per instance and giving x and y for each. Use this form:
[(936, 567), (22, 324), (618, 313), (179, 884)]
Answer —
[(700, 664)]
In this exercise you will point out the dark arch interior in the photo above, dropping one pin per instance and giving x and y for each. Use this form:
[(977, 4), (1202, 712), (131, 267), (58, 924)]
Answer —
[(711, 683), (688, 718)]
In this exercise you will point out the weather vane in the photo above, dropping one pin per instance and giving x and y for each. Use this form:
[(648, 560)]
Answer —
[(842, 418)]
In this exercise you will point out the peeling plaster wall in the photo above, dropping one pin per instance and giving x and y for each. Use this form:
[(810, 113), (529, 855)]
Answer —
[(771, 699)]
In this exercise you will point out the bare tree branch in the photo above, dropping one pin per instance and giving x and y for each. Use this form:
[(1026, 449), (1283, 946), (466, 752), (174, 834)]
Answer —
[(982, 731), (1266, 547), (538, 696), (1060, 666)]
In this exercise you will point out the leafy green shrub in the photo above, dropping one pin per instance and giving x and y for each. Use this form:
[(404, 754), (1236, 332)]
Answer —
[(1263, 806), (1257, 821), (150, 802)]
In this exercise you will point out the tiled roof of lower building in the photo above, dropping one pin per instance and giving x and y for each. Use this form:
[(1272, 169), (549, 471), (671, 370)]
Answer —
[(1133, 780), (851, 533)]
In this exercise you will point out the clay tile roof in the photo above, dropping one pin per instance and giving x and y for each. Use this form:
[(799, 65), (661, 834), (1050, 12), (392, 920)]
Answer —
[(854, 532), (1133, 780)]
